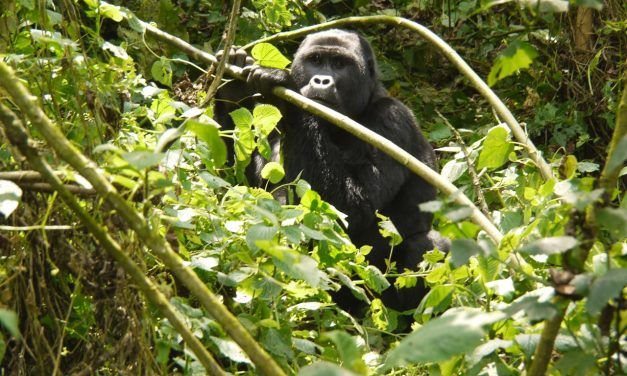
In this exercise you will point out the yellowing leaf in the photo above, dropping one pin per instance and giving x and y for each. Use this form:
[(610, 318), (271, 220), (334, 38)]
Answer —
[(519, 55)]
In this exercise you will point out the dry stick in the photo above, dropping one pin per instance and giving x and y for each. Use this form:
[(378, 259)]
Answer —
[(451, 55), (351, 126), (18, 136), (228, 42), (476, 183), (607, 181), (149, 236)]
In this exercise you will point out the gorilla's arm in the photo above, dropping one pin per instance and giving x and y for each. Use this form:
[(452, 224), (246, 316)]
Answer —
[(357, 178)]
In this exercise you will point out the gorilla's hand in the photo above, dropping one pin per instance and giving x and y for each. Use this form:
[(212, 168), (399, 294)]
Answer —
[(237, 57), (263, 80)]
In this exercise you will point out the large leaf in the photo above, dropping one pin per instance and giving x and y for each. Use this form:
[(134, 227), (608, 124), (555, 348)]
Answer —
[(231, 350), (295, 264), (266, 117), (456, 332), (549, 246), (606, 288), (269, 56), (496, 149), (208, 132), (518, 55)]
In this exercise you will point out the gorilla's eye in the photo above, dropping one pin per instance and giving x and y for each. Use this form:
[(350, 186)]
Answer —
[(315, 59), (338, 63)]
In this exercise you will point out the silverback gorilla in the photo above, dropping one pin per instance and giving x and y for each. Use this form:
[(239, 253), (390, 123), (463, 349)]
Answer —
[(338, 69)]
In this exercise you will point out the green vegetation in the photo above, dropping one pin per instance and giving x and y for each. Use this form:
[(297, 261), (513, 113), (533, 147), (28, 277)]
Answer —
[(131, 243)]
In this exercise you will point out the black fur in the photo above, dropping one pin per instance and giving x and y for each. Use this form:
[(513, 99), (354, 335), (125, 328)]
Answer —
[(338, 68)]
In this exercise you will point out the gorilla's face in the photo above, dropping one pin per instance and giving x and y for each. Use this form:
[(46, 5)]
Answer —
[(335, 67)]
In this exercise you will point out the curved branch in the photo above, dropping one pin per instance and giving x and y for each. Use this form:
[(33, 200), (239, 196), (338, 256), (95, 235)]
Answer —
[(148, 235), (16, 132), (451, 55), (350, 126)]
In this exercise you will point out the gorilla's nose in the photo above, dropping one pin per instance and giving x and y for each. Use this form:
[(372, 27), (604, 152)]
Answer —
[(321, 82)]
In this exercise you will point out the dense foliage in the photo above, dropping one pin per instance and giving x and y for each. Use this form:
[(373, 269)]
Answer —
[(118, 94)]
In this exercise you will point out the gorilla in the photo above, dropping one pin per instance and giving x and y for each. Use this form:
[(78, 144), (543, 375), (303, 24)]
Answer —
[(337, 68)]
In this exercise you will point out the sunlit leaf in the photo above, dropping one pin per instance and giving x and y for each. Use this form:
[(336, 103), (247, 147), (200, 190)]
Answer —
[(518, 55), (269, 56), (549, 246), (231, 350), (273, 172), (456, 332), (208, 132), (266, 117), (496, 149), (161, 71)]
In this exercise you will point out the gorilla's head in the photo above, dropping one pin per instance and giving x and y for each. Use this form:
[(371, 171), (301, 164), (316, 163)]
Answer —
[(338, 68)]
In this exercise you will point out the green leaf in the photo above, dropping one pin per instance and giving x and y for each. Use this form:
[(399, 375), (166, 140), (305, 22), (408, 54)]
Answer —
[(213, 181), (388, 230), (325, 369), (350, 353), (613, 220), (10, 197), (518, 55), (269, 56), (294, 264), (209, 133), (161, 71), (260, 232), (372, 276), (549, 246), (142, 159), (266, 117), (8, 319), (231, 350), (456, 332), (113, 12), (496, 149), (205, 263), (605, 288), (462, 250), (273, 171)]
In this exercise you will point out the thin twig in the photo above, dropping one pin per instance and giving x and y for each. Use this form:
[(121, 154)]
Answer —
[(228, 42), (18, 136), (476, 183), (146, 233)]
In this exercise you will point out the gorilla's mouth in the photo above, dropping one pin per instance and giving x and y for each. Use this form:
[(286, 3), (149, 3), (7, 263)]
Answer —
[(324, 101)]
